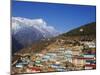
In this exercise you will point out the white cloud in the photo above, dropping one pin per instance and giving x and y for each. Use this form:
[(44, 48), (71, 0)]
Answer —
[(40, 24)]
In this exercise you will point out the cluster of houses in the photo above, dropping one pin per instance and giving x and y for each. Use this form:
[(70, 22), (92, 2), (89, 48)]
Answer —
[(60, 59)]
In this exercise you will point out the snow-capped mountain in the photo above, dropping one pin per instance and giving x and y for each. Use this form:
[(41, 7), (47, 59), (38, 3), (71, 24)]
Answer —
[(26, 31)]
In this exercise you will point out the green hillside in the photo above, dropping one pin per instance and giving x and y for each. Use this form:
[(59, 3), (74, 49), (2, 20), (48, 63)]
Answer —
[(88, 29)]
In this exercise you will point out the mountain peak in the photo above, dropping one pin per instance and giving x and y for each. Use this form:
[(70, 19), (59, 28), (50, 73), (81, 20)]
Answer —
[(27, 31)]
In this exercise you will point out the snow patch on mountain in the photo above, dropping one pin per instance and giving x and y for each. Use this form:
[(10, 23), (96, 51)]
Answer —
[(19, 23)]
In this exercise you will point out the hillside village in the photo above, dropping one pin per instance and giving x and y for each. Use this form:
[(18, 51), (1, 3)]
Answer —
[(58, 57)]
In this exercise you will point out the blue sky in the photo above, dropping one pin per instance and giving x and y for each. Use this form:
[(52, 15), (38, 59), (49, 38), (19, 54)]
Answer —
[(63, 17)]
